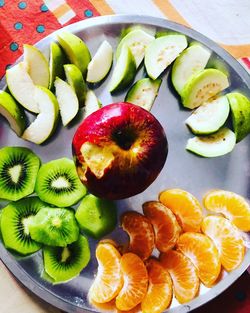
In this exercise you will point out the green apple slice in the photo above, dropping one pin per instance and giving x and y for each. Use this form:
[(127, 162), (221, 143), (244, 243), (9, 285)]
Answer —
[(202, 86), (214, 145), (67, 100), (163, 51), (45, 123), (147, 29), (22, 87), (144, 92), (12, 112), (92, 104), (240, 107), (76, 50), (209, 117), (56, 61), (191, 61), (137, 40), (124, 71), (37, 65), (75, 79), (100, 64)]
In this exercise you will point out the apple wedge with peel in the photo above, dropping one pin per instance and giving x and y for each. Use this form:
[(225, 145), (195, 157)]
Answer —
[(45, 122), (92, 104), (56, 61)]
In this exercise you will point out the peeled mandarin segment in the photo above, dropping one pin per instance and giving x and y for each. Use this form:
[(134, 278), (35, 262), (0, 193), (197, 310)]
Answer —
[(166, 228), (231, 205), (108, 281), (203, 254), (183, 274), (227, 239), (159, 294), (140, 232), (185, 206), (135, 285)]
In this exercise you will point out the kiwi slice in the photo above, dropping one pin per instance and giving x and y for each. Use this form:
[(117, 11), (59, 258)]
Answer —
[(14, 225), (63, 264), (58, 183), (18, 171)]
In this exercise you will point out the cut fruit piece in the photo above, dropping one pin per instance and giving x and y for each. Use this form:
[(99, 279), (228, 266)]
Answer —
[(76, 50), (108, 281), (159, 294), (163, 51), (63, 264), (22, 87), (58, 183), (203, 254), (67, 100), (12, 112), (100, 64), (147, 29), (97, 217), (191, 61), (137, 41), (92, 104), (209, 117), (141, 234), (56, 61), (124, 71), (54, 227), (240, 107), (166, 228), (144, 92), (231, 205), (135, 285), (202, 86), (227, 240), (185, 206), (213, 145), (45, 123), (183, 274), (36, 65), (18, 170), (14, 225)]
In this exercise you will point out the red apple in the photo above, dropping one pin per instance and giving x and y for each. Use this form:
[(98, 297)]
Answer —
[(119, 150)]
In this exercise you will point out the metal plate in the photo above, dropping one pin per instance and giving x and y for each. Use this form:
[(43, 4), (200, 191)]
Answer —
[(182, 169)]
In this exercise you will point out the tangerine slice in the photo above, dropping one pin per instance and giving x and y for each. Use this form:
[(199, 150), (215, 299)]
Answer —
[(231, 205), (159, 294), (183, 273), (203, 254), (141, 234), (108, 281), (167, 229), (185, 206), (135, 285), (227, 239)]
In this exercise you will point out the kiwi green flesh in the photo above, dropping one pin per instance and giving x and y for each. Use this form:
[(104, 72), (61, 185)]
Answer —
[(14, 225), (58, 183), (63, 264), (18, 170)]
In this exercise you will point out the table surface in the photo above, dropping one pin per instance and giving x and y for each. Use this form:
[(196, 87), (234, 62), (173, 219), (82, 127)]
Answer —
[(225, 21)]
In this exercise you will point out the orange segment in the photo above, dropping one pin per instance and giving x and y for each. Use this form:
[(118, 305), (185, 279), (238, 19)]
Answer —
[(166, 228), (184, 275), (227, 239), (159, 294), (140, 232), (203, 254), (135, 285), (231, 205), (185, 206), (108, 281)]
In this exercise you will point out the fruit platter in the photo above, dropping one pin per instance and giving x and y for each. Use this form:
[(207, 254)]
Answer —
[(124, 167)]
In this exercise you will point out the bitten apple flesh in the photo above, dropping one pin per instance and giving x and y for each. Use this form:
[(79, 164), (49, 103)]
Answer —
[(119, 150)]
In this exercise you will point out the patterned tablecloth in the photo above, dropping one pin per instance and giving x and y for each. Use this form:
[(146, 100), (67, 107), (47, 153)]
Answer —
[(225, 21)]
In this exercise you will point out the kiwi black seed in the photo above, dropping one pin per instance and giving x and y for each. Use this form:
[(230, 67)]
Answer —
[(58, 183), (18, 171), (63, 264), (14, 225)]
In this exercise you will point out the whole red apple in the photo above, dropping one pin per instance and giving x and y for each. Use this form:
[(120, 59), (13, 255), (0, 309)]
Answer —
[(119, 150)]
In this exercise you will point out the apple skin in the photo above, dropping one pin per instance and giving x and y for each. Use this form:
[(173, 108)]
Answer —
[(119, 150)]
